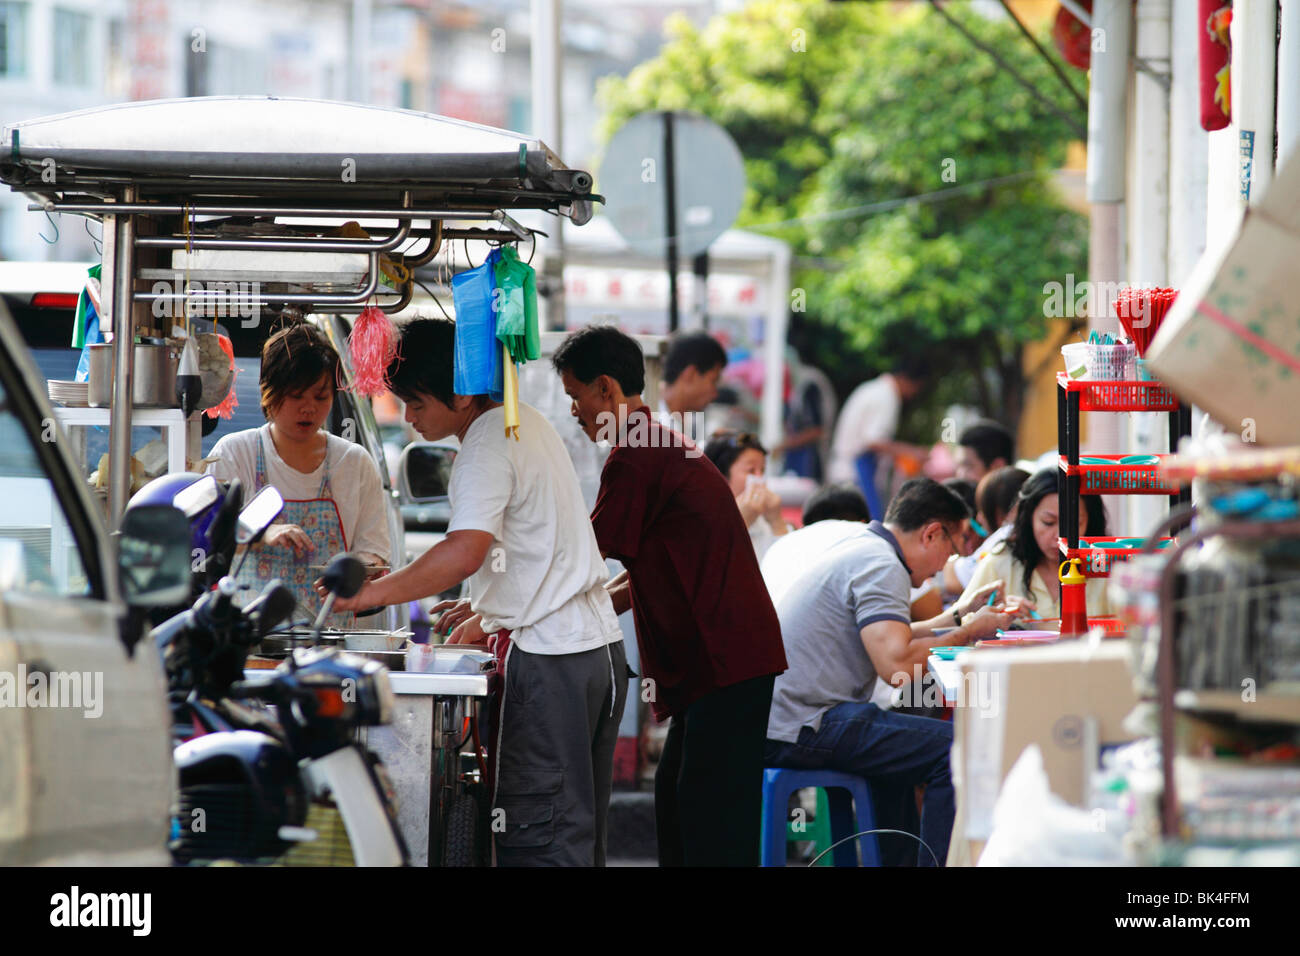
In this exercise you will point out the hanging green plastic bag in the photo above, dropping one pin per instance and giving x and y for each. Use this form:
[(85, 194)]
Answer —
[(516, 303)]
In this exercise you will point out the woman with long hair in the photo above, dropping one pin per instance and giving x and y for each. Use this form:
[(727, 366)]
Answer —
[(1028, 561)]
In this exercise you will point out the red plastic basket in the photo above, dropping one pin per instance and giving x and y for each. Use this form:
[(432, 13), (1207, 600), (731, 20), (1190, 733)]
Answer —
[(1096, 396), (1117, 479)]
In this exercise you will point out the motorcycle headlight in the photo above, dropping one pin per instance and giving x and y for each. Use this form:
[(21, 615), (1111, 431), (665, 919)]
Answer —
[(349, 688)]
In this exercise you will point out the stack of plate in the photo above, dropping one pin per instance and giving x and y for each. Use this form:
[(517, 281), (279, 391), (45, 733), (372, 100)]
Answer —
[(69, 393)]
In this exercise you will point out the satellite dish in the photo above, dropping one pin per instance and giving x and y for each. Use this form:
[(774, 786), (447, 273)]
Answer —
[(707, 176)]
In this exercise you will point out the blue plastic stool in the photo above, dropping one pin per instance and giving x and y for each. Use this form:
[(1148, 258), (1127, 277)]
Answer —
[(845, 793)]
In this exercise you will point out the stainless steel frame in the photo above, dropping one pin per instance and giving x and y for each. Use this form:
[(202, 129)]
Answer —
[(158, 160)]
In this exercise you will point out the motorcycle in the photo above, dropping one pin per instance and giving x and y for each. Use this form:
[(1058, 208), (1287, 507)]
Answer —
[(291, 785)]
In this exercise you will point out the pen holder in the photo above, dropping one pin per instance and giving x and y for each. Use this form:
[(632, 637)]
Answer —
[(1111, 363)]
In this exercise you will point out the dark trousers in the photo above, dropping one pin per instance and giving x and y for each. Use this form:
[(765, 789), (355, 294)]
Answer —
[(894, 752), (709, 785), (559, 725)]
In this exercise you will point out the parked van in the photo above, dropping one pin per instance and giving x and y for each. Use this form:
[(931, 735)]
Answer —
[(85, 749)]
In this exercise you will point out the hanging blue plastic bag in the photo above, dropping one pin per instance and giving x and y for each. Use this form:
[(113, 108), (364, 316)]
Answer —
[(477, 368)]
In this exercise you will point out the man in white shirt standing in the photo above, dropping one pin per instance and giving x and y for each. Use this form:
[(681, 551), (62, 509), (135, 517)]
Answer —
[(520, 534), (866, 425)]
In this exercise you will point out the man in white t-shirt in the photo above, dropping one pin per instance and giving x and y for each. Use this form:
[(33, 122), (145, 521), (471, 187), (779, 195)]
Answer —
[(520, 534), (866, 425)]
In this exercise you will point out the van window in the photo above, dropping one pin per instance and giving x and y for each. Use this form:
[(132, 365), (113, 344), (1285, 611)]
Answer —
[(38, 553)]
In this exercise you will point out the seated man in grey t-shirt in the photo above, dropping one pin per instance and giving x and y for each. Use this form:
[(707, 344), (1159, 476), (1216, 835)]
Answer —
[(845, 621)]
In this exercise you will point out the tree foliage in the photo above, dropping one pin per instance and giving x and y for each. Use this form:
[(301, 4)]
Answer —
[(845, 112)]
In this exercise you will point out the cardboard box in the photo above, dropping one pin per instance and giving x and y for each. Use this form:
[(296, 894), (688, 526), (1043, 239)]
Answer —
[(1231, 342), (1068, 698)]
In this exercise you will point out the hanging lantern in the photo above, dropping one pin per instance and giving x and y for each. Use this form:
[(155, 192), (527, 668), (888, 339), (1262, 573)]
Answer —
[(1072, 37)]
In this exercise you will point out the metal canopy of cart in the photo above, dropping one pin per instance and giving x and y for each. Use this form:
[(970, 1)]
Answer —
[(256, 146), (159, 173)]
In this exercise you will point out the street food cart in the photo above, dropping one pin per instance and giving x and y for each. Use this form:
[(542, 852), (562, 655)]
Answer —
[(256, 208)]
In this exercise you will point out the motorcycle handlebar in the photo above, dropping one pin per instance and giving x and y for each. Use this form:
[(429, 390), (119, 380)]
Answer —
[(250, 689)]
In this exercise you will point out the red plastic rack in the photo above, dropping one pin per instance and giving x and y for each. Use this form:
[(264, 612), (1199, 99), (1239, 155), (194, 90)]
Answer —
[(1111, 626), (1118, 479), (1103, 396), (1097, 562)]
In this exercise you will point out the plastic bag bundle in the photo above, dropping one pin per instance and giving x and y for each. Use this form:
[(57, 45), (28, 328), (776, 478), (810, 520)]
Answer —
[(372, 345), (477, 366), (86, 330), (517, 307), (496, 329)]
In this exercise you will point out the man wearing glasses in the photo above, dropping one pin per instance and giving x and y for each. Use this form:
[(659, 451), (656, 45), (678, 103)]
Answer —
[(846, 620)]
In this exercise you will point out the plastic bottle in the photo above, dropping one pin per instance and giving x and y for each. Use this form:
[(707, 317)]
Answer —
[(1074, 599)]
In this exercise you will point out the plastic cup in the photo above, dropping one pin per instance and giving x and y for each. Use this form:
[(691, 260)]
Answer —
[(1076, 359)]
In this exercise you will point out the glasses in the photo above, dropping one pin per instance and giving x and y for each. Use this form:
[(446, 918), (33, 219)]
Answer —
[(951, 543)]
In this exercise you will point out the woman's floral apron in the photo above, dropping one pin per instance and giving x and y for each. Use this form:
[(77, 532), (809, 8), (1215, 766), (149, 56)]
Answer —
[(320, 521)]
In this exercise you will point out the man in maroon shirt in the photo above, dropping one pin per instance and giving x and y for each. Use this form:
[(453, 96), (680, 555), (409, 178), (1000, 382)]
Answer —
[(709, 637)]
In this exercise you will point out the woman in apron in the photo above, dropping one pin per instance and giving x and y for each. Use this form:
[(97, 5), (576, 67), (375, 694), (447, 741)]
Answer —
[(333, 494)]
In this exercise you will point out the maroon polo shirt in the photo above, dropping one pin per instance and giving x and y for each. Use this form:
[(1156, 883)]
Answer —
[(703, 616)]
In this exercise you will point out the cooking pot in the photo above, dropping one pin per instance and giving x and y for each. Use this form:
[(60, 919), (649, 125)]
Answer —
[(154, 385), (99, 382)]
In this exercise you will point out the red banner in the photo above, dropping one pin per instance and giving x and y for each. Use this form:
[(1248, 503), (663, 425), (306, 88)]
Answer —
[(1214, 16)]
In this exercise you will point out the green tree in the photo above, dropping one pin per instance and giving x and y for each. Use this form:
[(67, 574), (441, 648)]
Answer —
[(843, 110)]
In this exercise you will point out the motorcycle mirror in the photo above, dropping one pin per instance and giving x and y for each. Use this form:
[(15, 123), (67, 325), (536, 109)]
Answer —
[(193, 499), (269, 609), (221, 533), (344, 576), (258, 515), (153, 556)]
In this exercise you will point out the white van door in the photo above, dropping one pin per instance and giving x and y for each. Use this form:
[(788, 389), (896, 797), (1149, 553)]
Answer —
[(85, 754)]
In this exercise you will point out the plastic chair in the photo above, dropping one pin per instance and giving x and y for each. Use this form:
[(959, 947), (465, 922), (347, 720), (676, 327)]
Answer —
[(845, 794), (816, 831)]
